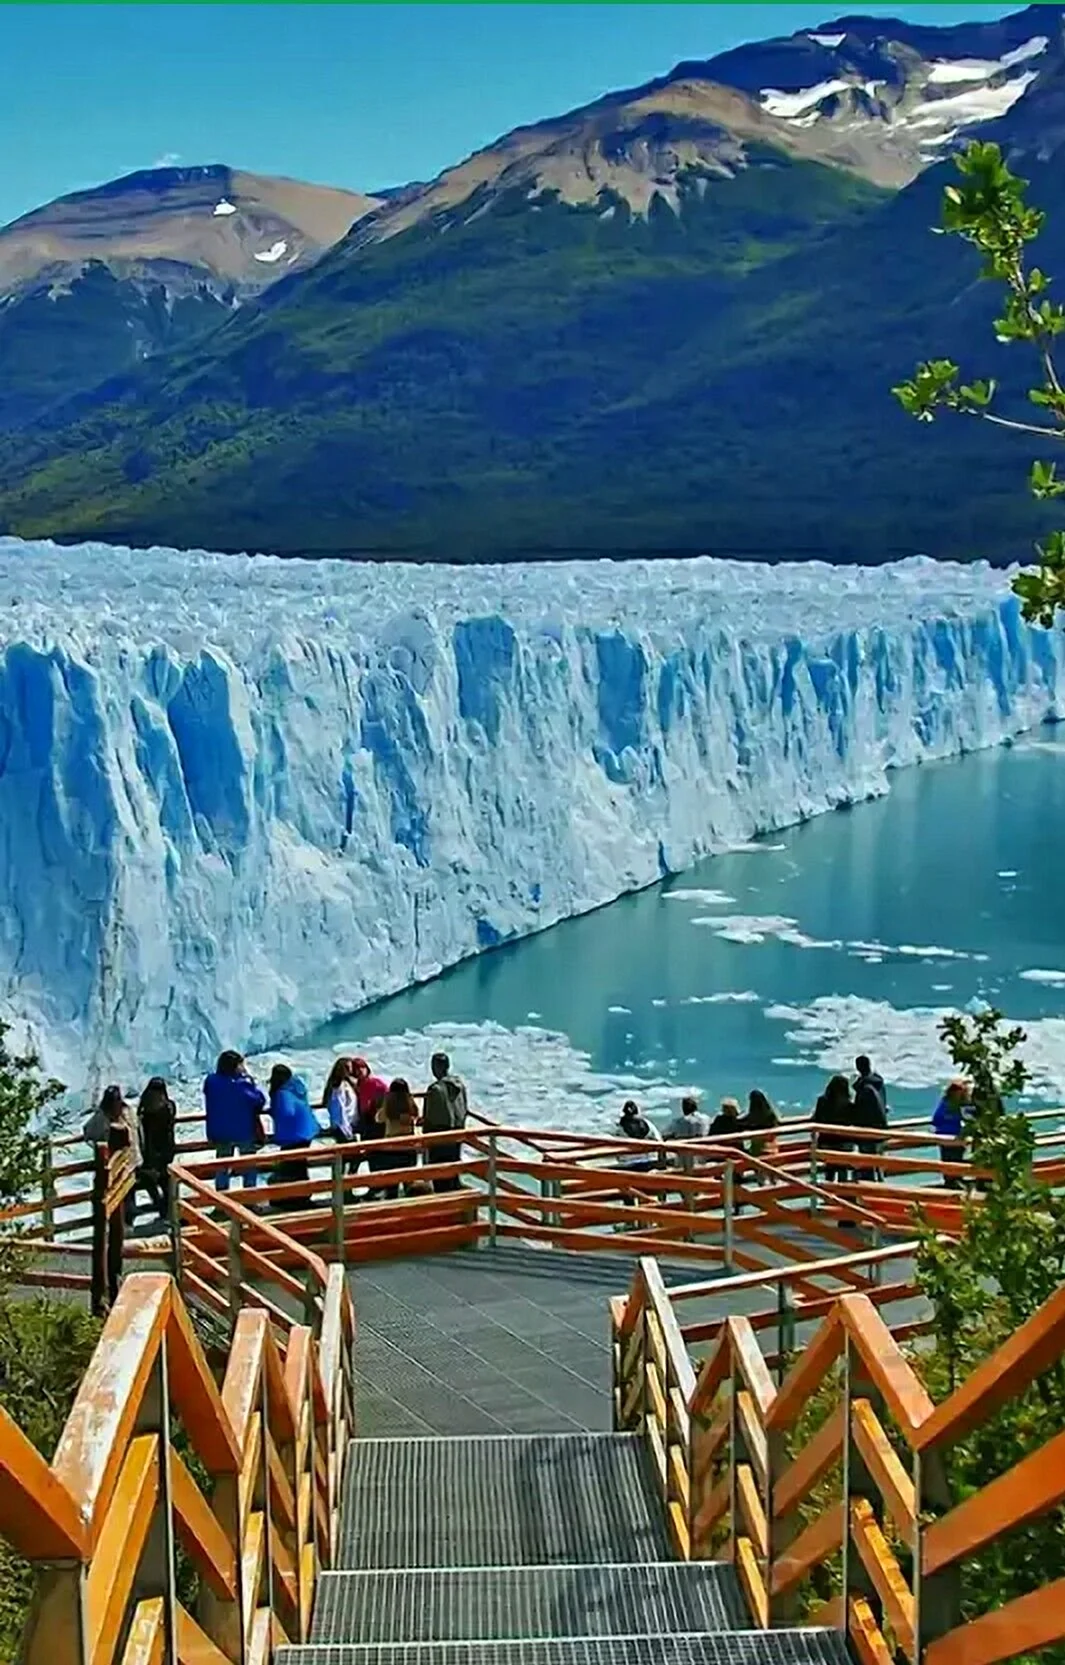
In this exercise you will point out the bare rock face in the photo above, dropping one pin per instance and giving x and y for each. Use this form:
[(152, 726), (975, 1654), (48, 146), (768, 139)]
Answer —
[(237, 231)]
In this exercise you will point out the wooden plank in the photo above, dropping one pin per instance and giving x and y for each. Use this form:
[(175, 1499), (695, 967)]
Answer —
[(244, 1366), (201, 1532), (1030, 1351), (894, 1484), (1022, 1626), (680, 1364), (754, 1437), (678, 1531), (885, 1572), (747, 1358), (252, 1557), (806, 1374), (120, 1544), (656, 1398), (866, 1637), (751, 1509), (93, 1444), (751, 1583), (38, 1516), (811, 1465), (1029, 1489), (713, 1506), (818, 1543), (888, 1367), (194, 1646), (195, 1394), (147, 1634)]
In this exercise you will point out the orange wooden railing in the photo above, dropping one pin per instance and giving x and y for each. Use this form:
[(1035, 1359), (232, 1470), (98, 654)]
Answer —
[(723, 1437), (244, 1476)]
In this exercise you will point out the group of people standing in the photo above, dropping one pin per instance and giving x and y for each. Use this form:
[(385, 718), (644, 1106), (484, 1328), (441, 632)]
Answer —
[(858, 1105), (361, 1111)]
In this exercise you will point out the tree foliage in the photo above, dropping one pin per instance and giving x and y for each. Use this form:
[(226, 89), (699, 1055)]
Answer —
[(1008, 1260), (989, 209)]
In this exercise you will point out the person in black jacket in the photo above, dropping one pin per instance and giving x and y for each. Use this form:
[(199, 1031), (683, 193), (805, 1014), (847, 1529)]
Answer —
[(157, 1120), (870, 1110), (834, 1109)]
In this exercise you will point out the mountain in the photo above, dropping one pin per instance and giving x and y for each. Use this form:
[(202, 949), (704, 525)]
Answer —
[(669, 320), (95, 282)]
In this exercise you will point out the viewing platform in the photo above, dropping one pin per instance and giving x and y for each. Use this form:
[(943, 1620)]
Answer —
[(563, 1414)]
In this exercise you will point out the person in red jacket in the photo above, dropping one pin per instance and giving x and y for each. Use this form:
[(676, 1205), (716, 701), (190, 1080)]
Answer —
[(370, 1094)]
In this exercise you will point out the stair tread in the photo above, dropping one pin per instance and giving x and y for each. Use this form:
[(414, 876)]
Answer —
[(508, 1603), (757, 1647), (506, 1501)]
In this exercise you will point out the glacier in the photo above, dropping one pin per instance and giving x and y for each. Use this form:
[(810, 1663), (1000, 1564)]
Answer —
[(242, 795)]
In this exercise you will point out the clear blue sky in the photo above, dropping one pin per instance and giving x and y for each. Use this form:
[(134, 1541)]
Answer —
[(356, 95)]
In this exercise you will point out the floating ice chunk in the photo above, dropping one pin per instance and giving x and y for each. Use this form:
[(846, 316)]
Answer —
[(271, 255), (727, 997), (223, 208), (1007, 873), (708, 898), (1054, 979), (625, 1011)]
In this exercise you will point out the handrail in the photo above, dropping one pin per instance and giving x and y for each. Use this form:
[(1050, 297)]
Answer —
[(101, 1521), (733, 1480)]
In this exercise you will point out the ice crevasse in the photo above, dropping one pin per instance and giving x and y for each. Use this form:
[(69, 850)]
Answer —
[(241, 795)]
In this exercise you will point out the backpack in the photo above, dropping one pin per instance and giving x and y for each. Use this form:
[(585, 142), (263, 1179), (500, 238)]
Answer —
[(456, 1099)]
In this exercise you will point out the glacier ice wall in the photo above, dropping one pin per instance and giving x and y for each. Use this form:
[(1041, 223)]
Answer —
[(241, 795)]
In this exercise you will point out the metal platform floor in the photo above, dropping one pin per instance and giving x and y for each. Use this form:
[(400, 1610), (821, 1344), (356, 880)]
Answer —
[(750, 1647)]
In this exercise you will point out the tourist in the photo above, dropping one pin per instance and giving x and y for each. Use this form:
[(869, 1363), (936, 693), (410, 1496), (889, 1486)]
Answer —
[(444, 1110), (234, 1104), (762, 1118), (370, 1093), (633, 1124), (689, 1123), (864, 1072), (870, 1110), (948, 1122), (397, 1117), (834, 1109), (295, 1124), (109, 1129), (727, 1119), (340, 1101), (157, 1121)]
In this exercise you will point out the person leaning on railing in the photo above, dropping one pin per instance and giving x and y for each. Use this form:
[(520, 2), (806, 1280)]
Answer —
[(948, 1121), (295, 1124), (635, 1125), (157, 1120), (398, 1116), (234, 1104), (444, 1110), (109, 1129)]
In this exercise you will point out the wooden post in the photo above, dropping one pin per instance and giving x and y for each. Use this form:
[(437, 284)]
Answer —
[(339, 1248), (730, 1263), (175, 1227), (59, 1628), (493, 1190), (936, 1599), (48, 1190), (234, 1271)]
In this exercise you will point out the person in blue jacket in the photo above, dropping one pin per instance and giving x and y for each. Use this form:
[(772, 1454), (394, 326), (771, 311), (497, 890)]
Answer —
[(234, 1104), (948, 1121), (295, 1123)]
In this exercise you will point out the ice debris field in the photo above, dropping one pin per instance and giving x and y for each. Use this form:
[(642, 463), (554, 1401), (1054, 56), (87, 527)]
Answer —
[(239, 796)]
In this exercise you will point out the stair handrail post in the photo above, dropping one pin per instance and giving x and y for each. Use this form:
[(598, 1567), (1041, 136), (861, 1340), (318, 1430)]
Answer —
[(785, 1328), (814, 1170), (174, 1224), (845, 1547), (339, 1246), (234, 1270), (733, 1445), (730, 1211), (47, 1189), (493, 1189)]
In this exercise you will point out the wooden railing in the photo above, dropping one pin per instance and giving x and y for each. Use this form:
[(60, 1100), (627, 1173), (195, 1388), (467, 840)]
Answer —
[(836, 1470), (244, 1476)]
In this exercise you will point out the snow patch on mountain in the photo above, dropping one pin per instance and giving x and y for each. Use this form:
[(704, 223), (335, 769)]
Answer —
[(791, 104), (273, 253), (239, 796)]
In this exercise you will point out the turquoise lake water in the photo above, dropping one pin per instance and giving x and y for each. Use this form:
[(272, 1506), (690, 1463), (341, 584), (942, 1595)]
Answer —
[(770, 966)]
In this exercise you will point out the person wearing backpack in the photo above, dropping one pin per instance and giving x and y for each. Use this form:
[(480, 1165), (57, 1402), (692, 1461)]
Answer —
[(444, 1110)]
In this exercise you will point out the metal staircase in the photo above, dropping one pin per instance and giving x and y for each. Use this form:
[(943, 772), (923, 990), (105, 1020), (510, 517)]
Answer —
[(525, 1550)]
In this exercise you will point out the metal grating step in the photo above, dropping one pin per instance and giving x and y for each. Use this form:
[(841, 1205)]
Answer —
[(542, 1500), (508, 1603), (751, 1647)]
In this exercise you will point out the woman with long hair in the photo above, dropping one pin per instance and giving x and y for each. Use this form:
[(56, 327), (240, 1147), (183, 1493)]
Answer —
[(157, 1120), (398, 1116)]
